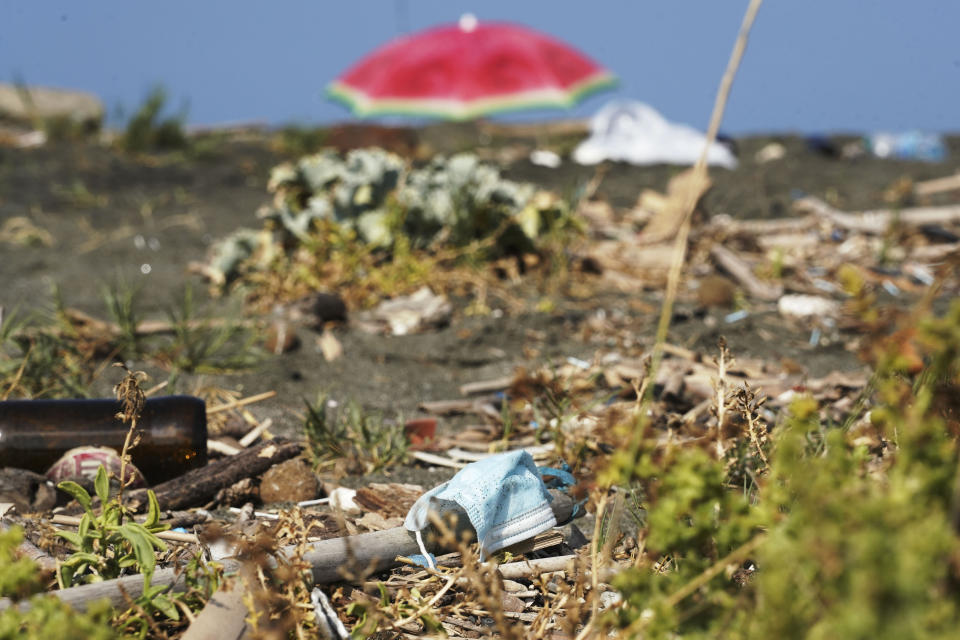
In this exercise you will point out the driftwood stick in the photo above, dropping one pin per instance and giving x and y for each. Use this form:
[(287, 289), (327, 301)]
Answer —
[(879, 220), (740, 271), (486, 386), (937, 185), (236, 404), (449, 407), (199, 486), (934, 252), (172, 536), (761, 227)]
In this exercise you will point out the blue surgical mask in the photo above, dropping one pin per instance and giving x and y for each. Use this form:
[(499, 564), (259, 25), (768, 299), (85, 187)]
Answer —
[(503, 497)]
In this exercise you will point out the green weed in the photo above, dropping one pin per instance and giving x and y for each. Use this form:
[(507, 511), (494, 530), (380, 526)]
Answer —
[(206, 345), (38, 361), (122, 301), (149, 130), (358, 441), (79, 195)]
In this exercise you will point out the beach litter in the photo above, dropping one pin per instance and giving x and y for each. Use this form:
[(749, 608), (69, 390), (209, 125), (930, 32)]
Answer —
[(634, 132)]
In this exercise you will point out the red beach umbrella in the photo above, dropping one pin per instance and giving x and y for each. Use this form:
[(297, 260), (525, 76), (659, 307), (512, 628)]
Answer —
[(467, 70)]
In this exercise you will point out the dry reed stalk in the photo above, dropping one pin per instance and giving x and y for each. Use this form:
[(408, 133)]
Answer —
[(132, 399), (699, 176)]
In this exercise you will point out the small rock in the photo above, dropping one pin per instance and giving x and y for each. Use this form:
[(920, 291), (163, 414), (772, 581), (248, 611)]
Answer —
[(290, 481), (512, 603), (716, 291), (511, 586), (321, 308), (29, 492), (28, 104)]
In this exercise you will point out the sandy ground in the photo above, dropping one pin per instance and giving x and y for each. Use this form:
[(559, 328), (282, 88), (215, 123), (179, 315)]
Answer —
[(144, 219)]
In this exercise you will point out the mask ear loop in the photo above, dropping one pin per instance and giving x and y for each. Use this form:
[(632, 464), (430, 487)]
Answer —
[(423, 550)]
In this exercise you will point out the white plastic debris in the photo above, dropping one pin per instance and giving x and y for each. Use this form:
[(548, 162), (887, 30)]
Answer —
[(920, 273), (545, 158), (635, 132), (342, 498), (736, 316), (408, 314), (328, 623), (803, 306)]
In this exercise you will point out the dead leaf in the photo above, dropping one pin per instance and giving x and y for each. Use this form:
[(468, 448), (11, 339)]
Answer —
[(681, 189), (373, 521), (268, 451)]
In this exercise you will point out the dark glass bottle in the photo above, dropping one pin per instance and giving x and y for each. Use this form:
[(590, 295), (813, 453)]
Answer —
[(35, 433)]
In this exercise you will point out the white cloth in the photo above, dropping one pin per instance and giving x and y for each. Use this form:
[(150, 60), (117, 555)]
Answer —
[(635, 132)]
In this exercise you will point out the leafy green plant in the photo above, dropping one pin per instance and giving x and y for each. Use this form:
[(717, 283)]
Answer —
[(20, 576), (50, 617), (350, 436), (40, 357), (79, 195), (105, 546), (109, 544)]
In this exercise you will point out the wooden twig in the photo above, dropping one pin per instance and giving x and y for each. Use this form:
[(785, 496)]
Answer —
[(451, 407), (758, 228), (442, 461), (937, 185), (737, 555), (934, 252), (241, 402), (172, 536), (700, 174), (486, 386), (741, 272), (222, 448), (198, 486), (878, 221), (255, 433)]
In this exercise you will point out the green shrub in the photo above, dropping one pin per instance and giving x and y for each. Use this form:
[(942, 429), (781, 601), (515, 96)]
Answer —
[(47, 616), (853, 530)]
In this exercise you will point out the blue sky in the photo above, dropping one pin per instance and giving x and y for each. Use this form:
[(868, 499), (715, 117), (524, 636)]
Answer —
[(812, 65)]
